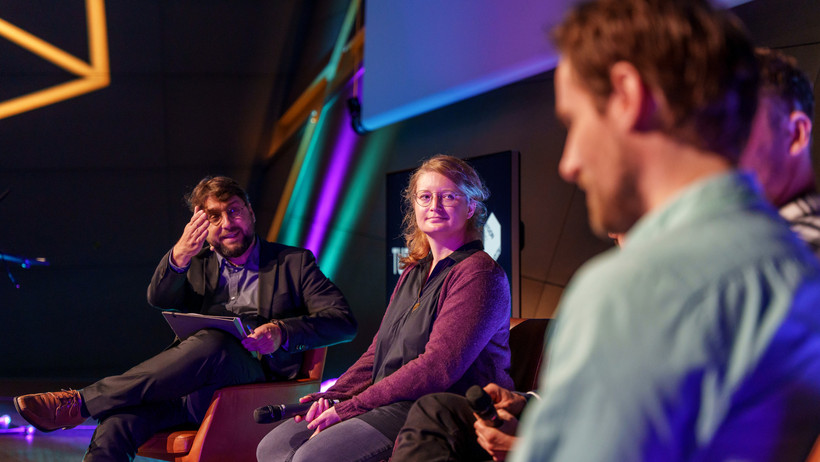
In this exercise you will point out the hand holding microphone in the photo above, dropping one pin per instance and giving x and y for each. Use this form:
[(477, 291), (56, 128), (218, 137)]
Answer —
[(277, 412), (483, 406), (321, 415), (495, 426)]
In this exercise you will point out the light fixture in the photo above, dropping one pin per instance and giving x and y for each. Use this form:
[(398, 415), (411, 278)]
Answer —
[(354, 107)]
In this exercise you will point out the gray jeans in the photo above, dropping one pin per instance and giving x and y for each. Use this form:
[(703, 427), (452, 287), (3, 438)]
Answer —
[(353, 440)]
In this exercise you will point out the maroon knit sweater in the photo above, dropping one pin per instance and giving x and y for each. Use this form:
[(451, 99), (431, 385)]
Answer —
[(469, 344)]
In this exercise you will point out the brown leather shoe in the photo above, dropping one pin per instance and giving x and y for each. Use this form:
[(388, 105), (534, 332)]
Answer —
[(51, 411)]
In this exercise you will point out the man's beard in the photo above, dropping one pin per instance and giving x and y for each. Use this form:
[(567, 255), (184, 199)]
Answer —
[(237, 251)]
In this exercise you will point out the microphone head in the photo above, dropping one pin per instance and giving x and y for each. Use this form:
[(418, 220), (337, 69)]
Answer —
[(267, 414), (482, 405), (478, 399), (262, 415)]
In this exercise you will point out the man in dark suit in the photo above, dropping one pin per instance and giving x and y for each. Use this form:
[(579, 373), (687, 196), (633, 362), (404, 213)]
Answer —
[(219, 266)]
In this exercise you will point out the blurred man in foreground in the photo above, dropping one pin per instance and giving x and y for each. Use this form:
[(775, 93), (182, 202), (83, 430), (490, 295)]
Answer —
[(697, 339)]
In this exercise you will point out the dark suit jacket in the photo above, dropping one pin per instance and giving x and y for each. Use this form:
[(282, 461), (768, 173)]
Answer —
[(311, 309)]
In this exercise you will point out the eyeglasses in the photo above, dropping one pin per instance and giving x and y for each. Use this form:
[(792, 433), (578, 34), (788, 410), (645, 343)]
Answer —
[(233, 213), (445, 198)]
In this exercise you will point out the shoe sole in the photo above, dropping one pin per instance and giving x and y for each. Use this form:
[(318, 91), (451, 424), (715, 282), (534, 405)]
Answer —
[(23, 415)]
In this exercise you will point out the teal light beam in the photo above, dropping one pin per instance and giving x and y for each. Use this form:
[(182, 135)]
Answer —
[(297, 211), (367, 173)]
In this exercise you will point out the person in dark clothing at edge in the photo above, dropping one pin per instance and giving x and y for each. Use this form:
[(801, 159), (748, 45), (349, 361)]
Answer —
[(779, 148), (219, 266), (445, 329)]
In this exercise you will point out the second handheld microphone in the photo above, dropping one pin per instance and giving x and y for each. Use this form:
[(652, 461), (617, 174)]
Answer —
[(482, 405)]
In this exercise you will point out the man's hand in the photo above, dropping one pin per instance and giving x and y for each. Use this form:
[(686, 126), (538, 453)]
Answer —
[(505, 399), (265, 339), (193, 236), (497, 441)]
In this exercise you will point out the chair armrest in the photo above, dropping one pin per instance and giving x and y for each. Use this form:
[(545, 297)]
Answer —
[(814, 456), (229, 432)]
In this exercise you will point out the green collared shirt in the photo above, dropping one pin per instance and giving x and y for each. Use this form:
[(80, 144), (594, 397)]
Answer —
[(697, 341)]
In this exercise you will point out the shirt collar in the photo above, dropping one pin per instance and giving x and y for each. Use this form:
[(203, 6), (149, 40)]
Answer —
[(460, 253), (715, 195)]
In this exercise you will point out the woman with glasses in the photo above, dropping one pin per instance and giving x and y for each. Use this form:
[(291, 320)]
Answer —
[(446, 328)]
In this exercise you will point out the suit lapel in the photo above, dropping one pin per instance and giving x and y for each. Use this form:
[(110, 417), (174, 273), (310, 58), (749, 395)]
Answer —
[(211, 273), (268, 263)]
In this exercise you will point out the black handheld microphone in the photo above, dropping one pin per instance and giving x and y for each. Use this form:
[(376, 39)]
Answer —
[(482, 405), (277, 412)]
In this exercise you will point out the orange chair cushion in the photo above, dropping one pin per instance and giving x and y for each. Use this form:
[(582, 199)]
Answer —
[(167, 445)]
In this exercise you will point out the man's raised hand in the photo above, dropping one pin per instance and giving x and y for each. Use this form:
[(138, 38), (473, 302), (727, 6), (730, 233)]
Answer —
[(193, 236)]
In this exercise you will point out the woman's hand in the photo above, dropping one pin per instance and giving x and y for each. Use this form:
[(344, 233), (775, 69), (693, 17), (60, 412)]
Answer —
[(316, 409), (321, 420), (310, 411)]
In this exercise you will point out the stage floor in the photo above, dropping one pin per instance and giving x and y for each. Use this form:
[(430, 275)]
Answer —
[(57, 446)]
